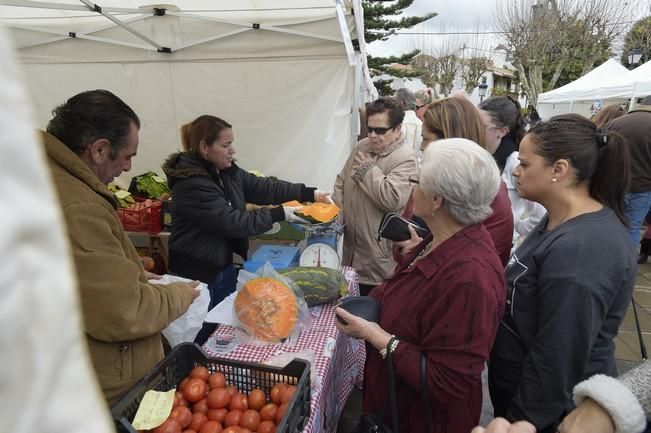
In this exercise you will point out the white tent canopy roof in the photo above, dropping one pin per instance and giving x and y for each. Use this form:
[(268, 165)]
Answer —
[(641, 76), (287, 74), (607, 81)]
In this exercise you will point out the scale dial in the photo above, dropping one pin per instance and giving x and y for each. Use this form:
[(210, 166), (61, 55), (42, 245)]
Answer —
[(319, 254)]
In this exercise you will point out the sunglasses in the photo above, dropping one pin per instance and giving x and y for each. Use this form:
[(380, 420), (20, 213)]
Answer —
[(378, 131), (413, 181), (418, 107)]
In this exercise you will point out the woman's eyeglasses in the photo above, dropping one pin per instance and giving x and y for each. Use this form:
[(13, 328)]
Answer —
[(418, 107), (413, 181), (378, 131)]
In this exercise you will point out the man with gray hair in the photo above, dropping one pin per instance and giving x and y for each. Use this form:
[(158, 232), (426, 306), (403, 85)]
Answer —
[(411, 124), (635, 127)]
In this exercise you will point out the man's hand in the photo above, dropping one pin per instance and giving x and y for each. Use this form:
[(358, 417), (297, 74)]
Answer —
[(192, 287), (500, 425), (152, 276), (323, 197), (588, 417)]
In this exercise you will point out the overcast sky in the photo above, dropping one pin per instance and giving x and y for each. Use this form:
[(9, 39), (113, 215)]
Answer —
[(456, 16)]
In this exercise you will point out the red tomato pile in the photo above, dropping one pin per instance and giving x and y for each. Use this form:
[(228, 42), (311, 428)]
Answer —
[(205, 404)]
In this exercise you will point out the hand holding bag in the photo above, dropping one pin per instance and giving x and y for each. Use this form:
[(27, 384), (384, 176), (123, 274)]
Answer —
[(396, 228)]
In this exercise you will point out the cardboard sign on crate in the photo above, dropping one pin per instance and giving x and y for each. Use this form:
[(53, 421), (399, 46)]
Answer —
[(144, 216)]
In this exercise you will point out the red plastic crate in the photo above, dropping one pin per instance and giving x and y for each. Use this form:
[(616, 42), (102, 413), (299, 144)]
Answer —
[(147, 219)]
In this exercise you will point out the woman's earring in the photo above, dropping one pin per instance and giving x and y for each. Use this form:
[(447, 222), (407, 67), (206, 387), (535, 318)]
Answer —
[(554, 179)]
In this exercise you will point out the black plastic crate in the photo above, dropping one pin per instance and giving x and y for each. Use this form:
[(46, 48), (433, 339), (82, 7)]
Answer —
[(245, 376)]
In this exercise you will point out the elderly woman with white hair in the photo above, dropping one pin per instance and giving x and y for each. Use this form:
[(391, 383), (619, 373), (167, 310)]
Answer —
[(444, 300)]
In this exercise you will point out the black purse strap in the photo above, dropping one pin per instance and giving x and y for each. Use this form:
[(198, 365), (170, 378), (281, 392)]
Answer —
[(392, 387), (424, 393)]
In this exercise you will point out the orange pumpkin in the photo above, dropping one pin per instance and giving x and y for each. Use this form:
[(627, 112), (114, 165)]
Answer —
[(319, 212), (267, 308), (293, 203)]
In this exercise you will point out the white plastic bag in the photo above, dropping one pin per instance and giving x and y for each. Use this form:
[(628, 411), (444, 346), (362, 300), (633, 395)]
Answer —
[(257, 312), (187, 326)]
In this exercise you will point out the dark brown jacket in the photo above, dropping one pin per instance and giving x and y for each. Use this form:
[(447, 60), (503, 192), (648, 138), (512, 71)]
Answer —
[(635, 127)]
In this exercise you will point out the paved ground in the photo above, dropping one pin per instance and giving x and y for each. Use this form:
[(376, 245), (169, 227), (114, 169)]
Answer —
[(627, 353)]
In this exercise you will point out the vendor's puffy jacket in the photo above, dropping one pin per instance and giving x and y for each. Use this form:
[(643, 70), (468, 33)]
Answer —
[(209, 217)]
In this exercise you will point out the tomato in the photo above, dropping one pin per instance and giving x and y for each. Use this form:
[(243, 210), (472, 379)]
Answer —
[(217, 414), (198, 419), (239, 402), (256, 399), (189, 431), (232, 429), (276, 392), (216, 380), (287, 393), (200, 372), (169, 426), (268, 412), (233, 418), (195, 390), (245, 430), (211, 427), (250, 419), (218, 398), (183, 415), (183, 383), (201, 406), (231, 390), (266, 427), (280, 414)]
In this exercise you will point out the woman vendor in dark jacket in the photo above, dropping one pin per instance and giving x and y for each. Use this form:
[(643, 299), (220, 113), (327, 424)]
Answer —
[(209, 218)]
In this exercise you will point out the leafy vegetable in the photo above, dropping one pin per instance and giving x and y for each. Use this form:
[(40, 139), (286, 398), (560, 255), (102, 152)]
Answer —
[(152, 185), (123, 197)]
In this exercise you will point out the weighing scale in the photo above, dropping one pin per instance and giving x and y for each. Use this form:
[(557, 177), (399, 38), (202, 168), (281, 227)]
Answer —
[(321, 245)]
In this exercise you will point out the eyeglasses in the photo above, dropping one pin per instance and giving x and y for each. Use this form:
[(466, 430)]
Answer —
[(418, 107), (487, 127), (413, 181), (378, 131)]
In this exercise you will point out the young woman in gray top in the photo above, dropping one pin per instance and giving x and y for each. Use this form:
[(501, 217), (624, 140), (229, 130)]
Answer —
[(570, 282)]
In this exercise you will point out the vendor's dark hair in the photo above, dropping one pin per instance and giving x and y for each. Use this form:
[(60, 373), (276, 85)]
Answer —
[(506, 113), (90, 116), (606, 114), (389, 105), (204, 128), (599, 157)]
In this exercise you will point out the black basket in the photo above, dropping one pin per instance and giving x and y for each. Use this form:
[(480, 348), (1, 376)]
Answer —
[(245, 376)]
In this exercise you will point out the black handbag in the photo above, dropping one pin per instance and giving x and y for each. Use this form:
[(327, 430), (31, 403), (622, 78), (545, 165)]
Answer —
[(373, 423), (396, 228)]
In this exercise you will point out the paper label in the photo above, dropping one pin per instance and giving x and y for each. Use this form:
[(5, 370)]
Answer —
[(122, 194), (158, 179), (154, 409)]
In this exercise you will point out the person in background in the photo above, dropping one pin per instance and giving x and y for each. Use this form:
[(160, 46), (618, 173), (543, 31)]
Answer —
[(373, 181), (48, 383), (635, 127), (209, 217), (458, 118), (411, 124), (533, 118), (452, 275), (570, 282), (423, 99), (606, 114), (604, 405), (645, 242), (90, 140), (504, 127)]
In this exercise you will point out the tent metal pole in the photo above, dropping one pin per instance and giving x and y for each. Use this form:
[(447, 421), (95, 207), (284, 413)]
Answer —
[(345, 34), (62, 6), (94, 7)]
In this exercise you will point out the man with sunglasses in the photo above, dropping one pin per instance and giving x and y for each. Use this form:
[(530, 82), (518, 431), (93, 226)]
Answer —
[(374, 180)]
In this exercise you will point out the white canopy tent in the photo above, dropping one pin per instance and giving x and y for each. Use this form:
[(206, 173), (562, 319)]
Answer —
[(289, 75), (609, 82)]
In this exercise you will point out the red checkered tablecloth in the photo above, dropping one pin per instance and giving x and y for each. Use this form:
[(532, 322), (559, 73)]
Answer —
[(337, 366)]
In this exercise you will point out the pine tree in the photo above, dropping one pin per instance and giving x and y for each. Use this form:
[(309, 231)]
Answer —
[(378, 25)]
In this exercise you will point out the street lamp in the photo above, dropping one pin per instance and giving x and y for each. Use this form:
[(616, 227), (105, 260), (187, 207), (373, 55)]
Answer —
[(482, 89), (635, 56)]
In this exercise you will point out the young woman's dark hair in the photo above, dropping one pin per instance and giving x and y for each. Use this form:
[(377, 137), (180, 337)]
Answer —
[(506, 113), (607, 114), (204, 128), (599, 157), (90, 116), (389, 105)]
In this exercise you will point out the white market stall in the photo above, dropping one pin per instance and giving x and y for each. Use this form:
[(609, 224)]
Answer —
[(608, 83), (287, 74)]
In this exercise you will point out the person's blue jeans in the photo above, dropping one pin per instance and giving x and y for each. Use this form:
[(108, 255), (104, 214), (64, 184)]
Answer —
[(637, 205), (223, 285)]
